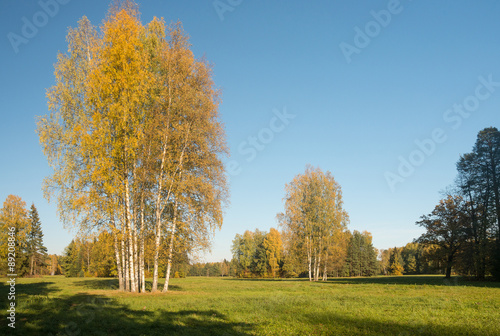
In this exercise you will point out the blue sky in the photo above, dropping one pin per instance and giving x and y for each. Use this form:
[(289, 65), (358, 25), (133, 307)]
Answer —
[(364, 81)]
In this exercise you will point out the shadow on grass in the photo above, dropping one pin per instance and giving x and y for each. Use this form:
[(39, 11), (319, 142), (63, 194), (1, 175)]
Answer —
[(111, 284), (415, 280), (429, 280), (88, 314), (34, 291), (350, 325)]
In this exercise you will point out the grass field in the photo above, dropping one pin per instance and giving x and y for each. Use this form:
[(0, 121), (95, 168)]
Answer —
[(408, 305)]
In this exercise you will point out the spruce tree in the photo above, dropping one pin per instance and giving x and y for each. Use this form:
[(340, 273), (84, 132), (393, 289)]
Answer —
[(35, 249)]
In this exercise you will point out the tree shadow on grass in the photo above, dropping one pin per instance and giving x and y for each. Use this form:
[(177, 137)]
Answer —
[(429, 280), (30, 291), (265, 279), (112, 284), (414, 280), (356, 325), (88, 314)]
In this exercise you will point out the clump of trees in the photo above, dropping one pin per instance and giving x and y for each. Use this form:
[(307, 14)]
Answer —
[(135, 142), (258, 254), (255, 256), (463, 231), (314, 240), (361, 256), (90, 257), (413, 258), (210, 269), (314, 220), (29, 255)]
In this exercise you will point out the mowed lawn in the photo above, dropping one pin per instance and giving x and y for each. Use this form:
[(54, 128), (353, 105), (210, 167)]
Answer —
[(408, 305)]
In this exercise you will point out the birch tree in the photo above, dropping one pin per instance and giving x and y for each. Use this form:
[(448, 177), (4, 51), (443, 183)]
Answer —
[(313, 214), (135, 140)]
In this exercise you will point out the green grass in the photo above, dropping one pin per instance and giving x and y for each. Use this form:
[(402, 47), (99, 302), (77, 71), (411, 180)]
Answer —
[(408, 305)]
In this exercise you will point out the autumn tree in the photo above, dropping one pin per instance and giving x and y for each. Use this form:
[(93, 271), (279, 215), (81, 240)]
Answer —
[(384, 256), (14, 218), (249, 253), (54, 265), (395, 262), (243, 248), (411, 254), (313, 213), (135, 141), (446, 229), (274, 250)]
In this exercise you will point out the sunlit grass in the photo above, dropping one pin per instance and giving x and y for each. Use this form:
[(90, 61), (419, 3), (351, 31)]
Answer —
[(409, 305)]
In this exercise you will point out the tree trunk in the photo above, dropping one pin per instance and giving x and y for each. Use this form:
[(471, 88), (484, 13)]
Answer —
[(133, 275), (136, 261), (154, 288), (159, 211), (449, 264), (325, 275), (170, 253), (309, 261), (125, 264), (318, 266), (141, 254), (118, 263)]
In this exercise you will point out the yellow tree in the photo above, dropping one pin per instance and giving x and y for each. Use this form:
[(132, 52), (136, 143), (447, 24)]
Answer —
[(186, 172), (313, 214), (14, 219), (274, 250), (119, 85), (336, 251), (135, 140)]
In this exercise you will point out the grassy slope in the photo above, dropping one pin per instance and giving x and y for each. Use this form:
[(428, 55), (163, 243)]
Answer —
[(409, 305)]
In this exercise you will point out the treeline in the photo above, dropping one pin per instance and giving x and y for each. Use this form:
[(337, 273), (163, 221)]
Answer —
[(94, 257), (413, 258), (463, 230), (263, 254), (21, 241)]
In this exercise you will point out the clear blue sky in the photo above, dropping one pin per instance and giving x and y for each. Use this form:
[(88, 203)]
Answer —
[(363, 86)]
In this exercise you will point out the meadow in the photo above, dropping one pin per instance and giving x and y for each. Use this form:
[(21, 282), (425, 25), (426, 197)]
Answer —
[(405, 305)]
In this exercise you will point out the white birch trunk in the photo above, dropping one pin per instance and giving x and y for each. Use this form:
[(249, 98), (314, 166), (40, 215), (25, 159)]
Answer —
[(318, 266), (141, 254), (170, 253), (159, 210), (118, 263), (325, 274), (309, 259), (133, 283), (125, 264)]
